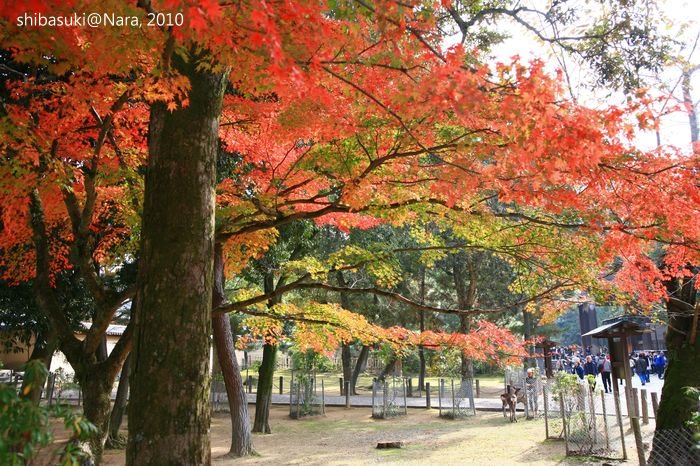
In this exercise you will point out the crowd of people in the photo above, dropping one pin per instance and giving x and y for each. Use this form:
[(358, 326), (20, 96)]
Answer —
[(582, 363)]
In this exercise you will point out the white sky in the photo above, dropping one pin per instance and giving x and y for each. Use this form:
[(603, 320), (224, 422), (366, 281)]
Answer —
[(674, 128)]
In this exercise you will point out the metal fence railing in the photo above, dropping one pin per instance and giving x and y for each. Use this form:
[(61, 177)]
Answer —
[(389, 398), (306, 397), (456, 400)]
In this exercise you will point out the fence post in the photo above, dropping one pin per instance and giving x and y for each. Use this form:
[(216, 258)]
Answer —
[(654, 402), (427, 395), (636, 429), (374, 393), (605, 421), (563, 424), (323, 398), (546, 410), (281, 384), (478, 389), (618, 415), (645, 408), (347, 394), (291, 393), (405, 403), (342, 384)]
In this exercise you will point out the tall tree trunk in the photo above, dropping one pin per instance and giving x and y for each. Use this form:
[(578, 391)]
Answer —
[(421, 350), (169, 413), (527, 333), (465, 280), (360, 367), (115, 419), (675, 406), (241, 439), (266, 372), (263, 398), (345, 354)]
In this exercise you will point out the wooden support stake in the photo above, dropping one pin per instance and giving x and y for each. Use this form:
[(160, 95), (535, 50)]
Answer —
[(654, 402), (645, 408), (427, 395), (637, 430), (478, 389)]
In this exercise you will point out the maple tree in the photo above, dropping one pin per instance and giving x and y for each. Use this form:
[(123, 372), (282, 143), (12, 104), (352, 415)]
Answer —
[(350, 116)]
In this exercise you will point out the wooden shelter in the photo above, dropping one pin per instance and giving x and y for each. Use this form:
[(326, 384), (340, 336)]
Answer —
[(618, 330)]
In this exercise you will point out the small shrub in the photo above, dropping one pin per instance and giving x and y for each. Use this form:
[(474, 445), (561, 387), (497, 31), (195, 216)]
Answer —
[(24, 426)]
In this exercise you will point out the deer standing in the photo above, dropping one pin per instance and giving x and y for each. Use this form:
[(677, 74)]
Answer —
[(509, 400)]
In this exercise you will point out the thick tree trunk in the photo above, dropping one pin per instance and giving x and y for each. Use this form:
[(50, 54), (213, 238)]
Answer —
[(466, 368), (119, 408), (169, 413), (241, 439), (263, 398), (675, 407), (96, 387), (360, 367)]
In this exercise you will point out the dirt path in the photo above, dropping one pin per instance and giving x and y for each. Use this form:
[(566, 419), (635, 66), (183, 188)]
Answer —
[(349, 437)]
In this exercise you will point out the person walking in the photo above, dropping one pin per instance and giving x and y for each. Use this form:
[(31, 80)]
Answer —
[(578, 370), (589, 367), (660, 365), (606, 370), (641, 367)]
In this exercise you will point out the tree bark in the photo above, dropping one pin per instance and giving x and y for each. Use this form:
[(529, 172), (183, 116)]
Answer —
[(263, 398), (675, 407), (465, 279), (421, 350), (360, 367), (119, 408), (345, 354), (96, 387), (169, 413), (346, 361), (241, 439), (527, 333)]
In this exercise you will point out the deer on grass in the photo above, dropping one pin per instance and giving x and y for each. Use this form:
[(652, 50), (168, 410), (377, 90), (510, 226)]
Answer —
[(509, 399)]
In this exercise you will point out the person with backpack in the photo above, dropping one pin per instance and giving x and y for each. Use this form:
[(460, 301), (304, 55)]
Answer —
[(660, 363)]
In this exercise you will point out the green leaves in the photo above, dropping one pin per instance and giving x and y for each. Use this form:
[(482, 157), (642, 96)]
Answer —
[(24, 426)]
